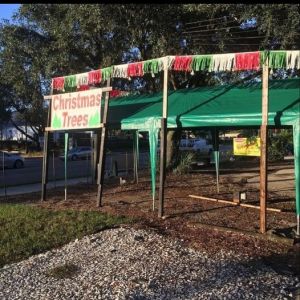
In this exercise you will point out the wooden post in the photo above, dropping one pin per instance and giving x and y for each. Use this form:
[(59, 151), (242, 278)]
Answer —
[(46, 151), (163, 141), (102, 149), (264, 147)]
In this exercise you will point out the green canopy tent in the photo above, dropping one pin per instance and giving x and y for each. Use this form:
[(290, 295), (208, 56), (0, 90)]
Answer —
[(219, 106)]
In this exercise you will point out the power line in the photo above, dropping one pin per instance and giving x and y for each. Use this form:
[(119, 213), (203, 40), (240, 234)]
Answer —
[(190, 32), (224, 17), (235, 38), (229, 44), (196, 27), (234, 32)]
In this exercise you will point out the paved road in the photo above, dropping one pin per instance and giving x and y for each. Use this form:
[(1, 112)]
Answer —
[(32, 172)]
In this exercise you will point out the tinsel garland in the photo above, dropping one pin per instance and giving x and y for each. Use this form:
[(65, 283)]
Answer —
[(182, 63), (135, 69), (58, 83), (277, 59), (82, 79), (70, 83), (247, 61), (120, 71), (216, 62), (106, 73), (222, 62), (201, 62), (153, 66), (94, 77), (293, 59)]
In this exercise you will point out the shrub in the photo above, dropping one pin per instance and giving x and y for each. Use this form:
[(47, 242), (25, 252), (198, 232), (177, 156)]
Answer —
[(280, 145), (185, 163)]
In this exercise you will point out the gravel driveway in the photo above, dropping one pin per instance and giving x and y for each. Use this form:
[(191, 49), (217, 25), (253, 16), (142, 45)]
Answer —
[(126, 263)]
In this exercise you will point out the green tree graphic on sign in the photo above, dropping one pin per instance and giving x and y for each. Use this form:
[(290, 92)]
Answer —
[(56, 122), (94, 120)]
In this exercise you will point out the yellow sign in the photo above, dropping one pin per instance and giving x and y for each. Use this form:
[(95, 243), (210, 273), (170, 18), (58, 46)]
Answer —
[(246, 146)]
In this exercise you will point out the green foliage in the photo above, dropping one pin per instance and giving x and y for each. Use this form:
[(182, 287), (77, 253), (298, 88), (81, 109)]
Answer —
[(185, 162), (278, 145), (53, 40), (26, 230)]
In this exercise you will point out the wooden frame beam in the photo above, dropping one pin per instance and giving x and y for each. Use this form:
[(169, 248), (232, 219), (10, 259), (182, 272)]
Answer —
[(264, 148), (104, 90), (102, 151), (163, 141), (46, 152)]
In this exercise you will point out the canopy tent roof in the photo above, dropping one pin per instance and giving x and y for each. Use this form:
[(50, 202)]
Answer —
[(227, 105)]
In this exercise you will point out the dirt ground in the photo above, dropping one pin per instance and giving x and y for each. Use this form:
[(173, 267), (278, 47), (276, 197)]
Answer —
[(201, 224)]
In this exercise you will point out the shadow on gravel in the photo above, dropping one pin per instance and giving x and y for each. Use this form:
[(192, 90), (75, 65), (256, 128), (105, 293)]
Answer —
[(232, 278)]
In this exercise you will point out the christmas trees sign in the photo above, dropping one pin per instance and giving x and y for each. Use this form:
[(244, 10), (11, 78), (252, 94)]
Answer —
[(78, 110)]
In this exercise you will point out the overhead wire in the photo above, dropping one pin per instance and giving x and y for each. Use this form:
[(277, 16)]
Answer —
[(234, 38), (191, 32), (234, 32), (196, 27), (224, 17), (228, 44)]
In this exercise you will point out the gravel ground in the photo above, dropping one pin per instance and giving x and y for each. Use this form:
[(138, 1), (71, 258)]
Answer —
[(127, 263)]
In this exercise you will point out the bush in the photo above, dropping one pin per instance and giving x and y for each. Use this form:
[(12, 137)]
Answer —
[(185, 163), (280, 145)]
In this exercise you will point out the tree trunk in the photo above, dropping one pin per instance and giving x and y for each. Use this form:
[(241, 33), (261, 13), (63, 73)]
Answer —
[(173, 142)]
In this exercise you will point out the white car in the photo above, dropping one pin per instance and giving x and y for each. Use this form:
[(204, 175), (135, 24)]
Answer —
[(11, 160), (202, 146), (81, 152)]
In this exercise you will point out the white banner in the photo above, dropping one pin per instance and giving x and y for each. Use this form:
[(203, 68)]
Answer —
[(78, 110)]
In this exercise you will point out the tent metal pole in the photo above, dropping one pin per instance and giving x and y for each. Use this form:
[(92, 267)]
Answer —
[(136, 155), (215, 135), (296, 139), (264, 147), (46, 151), (163, 141), (102, 151), (66, 161)]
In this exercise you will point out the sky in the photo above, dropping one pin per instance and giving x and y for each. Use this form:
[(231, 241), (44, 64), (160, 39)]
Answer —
[(7, 10)]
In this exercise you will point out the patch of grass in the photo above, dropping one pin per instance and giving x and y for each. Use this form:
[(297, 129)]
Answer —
[(67, 270), (26, 230)]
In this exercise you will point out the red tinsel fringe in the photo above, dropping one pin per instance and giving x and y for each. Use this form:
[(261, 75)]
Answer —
[(247, 61), (135, 69), (182, 63)]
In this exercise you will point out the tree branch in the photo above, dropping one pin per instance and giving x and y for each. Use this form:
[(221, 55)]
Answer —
[(23, 132)]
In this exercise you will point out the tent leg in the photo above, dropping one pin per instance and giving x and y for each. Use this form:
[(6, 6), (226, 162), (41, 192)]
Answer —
[(162, 173), (66, 159), (136, 156), (296, 139), (215, 135), (96, 153), (45, 166)]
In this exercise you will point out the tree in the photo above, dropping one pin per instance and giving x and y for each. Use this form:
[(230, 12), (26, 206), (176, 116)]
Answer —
[(53, 40), (22, 76)]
